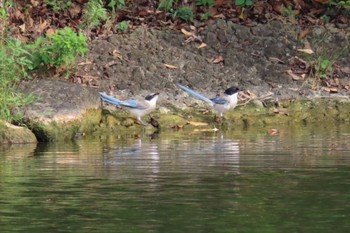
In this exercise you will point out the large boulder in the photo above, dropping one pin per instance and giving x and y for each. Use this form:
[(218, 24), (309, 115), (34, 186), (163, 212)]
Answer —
[(61, 110), (11, 134)]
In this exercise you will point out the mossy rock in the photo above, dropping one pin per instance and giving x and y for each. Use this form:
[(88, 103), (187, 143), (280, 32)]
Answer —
[(15, 134)]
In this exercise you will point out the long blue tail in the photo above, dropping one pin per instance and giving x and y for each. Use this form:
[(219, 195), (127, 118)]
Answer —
[(110, 99), (195, 94)]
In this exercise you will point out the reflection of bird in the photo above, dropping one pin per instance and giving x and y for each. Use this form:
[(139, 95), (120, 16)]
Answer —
[(220, 104), (138, 108)]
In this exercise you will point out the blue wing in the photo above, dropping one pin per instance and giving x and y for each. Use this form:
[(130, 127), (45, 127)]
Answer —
[(218, 100), (132, 104), (110, 99), (195, 94), (114, 101)]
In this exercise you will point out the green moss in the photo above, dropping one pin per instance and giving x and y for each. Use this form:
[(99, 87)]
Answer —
[(15, 134), (58, 131)]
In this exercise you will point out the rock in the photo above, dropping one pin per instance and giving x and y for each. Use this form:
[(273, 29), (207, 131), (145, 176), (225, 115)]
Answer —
[(62, 109), (11, 134)]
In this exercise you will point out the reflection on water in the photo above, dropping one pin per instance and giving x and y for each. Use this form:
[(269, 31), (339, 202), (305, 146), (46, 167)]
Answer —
[(239, 181)]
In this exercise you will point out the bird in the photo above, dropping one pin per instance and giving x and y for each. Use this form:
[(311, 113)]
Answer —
[(138, 108), (221, 104)]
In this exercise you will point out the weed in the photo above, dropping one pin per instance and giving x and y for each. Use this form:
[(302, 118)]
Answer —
[(15, 60), (58, 5), (122, 26), (94, 13), (119, 4), (205, 16), (340, 4), (59, 49), (323, 68), (184, 13), (244, 3), (205, 2), (165, 5)]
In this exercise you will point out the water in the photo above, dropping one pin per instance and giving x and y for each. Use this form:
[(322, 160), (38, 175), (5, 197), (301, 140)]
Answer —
[(239, 181)]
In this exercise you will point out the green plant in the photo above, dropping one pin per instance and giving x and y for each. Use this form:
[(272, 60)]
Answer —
[(184, 13), (119, 4), (94, 13), (165, 5), (122, 26), (244, 3), (340, 4), (58, 5), (15, 61), (59, 49), (323, 68), (205, 2), (205, 16)]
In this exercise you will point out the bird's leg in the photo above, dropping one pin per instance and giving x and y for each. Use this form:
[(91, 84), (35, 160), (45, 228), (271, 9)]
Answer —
[(141, 121), (217, 119)]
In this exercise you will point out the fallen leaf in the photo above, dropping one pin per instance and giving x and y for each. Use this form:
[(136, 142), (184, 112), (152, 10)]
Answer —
[(322, 1), (276, 60), (307, 51), (219, 16), (186, 33), (218, 59), (203, 45), (204, 130), (50, 31), (23, 27), (294, 76), (331, 90), (303, 33), (117, 54), (177, 126), (273, 132), (194, 123), (170, 66), (277, 111)]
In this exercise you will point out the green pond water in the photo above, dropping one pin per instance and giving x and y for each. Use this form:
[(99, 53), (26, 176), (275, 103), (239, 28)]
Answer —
[(181, 181)]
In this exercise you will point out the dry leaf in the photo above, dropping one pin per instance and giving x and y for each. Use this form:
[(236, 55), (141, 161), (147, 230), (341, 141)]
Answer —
[(117, 54), (322, 1), (303, 33), (186, 33), (331, 90), (194, 123), (23, 27), (50, 32), (219, 16), (218, 59), (294, 76), (307, 51), (170, 66), (277, 111), (273, 132), (203, 45)]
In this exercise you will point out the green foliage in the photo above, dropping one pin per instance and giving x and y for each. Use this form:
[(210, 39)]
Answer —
[(323, 68), (15, 61), (61, 48), (119, 4), (205, 16), (122, 26), (94, 13), (165, 5), (340, 4), (58, 5), (184, 13), (244, 3), (205, 2)]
